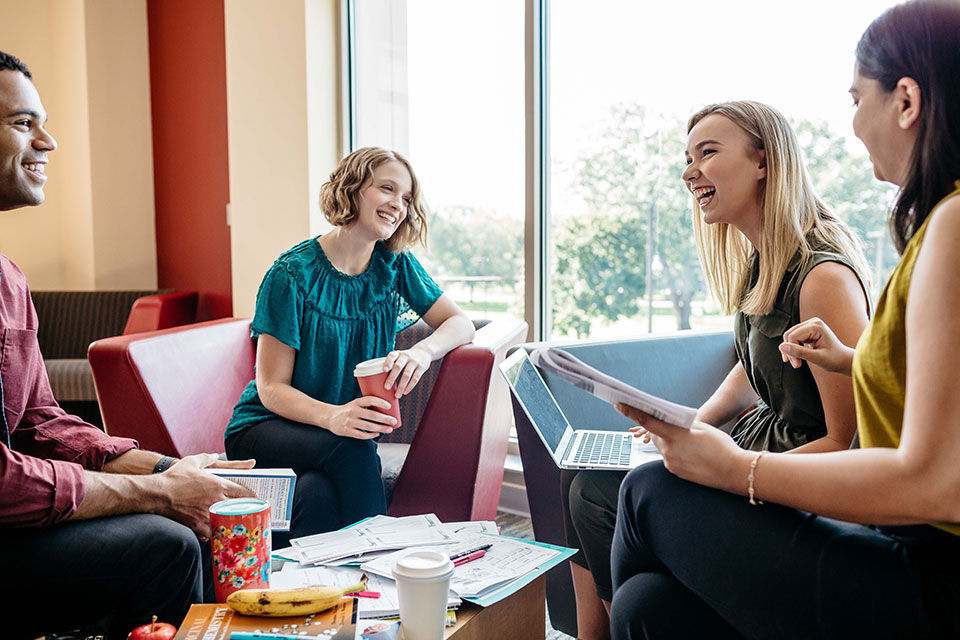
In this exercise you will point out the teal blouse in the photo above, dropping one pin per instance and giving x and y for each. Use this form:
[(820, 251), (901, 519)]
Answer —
[(333, 320)]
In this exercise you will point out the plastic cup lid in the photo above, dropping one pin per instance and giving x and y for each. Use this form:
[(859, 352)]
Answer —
[(369, 368), (239, 506), (423, 565)]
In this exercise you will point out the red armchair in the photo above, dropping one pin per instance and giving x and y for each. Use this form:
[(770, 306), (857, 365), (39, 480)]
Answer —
[(174, 391)]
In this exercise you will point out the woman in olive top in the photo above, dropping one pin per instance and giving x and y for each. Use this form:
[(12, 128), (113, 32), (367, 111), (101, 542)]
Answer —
[(775, 255), (720, 542)]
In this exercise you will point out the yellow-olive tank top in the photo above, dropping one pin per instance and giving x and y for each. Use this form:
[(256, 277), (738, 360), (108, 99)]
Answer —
[(880, 361)]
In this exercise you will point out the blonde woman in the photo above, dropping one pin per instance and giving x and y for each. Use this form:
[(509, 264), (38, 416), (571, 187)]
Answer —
[(325, 305), (776, 256)]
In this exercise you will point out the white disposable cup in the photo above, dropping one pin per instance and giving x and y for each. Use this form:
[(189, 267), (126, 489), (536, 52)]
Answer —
[(423, 585)]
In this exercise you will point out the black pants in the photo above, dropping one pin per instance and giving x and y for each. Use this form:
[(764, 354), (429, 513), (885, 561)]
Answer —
[(338, 479), (694, 562), (78, 573), (590, 516)]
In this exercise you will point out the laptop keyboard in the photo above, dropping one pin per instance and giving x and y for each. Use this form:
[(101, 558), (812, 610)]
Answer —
[(604, 448)]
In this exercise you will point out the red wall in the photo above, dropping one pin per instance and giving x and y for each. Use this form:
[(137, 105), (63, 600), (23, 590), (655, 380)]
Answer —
[(188, 86)]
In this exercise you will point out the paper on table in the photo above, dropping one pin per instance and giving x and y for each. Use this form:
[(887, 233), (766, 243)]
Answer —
[(496, 594), (506, 560), (376, 534), (583, 376)]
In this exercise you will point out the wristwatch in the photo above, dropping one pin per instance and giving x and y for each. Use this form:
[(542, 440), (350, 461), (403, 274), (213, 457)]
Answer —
[(164, 463)]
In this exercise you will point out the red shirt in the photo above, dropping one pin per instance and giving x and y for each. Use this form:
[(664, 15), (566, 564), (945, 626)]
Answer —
[(41, 476)]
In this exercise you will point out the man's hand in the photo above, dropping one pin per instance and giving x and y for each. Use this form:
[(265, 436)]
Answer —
[(187, 491)]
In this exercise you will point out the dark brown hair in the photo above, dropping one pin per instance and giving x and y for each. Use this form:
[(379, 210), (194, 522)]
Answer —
[(338, 195), (13, 63), (920, 40)]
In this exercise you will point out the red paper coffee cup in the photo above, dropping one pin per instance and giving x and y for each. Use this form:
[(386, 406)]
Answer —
[(371, 377), (240, 542)]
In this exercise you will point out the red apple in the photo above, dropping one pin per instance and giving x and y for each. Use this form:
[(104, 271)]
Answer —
[(153, 631)]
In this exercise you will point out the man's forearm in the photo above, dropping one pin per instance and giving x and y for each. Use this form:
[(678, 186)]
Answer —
[(109, 494), (134, 462)]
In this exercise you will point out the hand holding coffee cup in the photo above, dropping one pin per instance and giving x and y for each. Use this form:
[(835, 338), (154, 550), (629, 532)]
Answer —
[(405, 369), (372, 377)]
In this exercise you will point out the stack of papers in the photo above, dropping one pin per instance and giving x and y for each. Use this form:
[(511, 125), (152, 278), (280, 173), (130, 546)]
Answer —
[(370, 548)]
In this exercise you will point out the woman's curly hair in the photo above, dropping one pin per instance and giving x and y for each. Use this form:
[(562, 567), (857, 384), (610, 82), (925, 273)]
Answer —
[(338, 196)]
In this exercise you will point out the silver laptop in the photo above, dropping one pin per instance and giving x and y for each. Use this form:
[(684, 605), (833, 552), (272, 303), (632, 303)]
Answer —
[(570, 448)]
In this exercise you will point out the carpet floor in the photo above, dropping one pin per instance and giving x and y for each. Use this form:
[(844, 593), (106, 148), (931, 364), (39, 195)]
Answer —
[(520, 527)]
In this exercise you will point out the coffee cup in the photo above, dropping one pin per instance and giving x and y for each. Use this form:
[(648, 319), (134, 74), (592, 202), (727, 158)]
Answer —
[(423, 587), (371, 378)]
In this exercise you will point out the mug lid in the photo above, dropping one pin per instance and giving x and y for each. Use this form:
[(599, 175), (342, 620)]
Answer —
[(369, 367), (423, 565), (239, 506)]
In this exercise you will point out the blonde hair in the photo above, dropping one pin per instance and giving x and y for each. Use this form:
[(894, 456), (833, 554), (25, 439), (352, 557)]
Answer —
[(790, 210), (338, 196)]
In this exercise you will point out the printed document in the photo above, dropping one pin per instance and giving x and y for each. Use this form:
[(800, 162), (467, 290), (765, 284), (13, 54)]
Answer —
[(506, 560), (273, 485), (582, 375)]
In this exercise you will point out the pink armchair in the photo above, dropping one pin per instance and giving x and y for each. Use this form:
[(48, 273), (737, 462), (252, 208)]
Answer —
[(174, 391)]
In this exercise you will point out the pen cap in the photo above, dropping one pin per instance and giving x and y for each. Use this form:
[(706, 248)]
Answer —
[(423, 565)]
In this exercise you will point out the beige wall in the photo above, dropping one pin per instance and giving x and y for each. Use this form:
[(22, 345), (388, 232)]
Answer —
[(96, 228), (282, 105)]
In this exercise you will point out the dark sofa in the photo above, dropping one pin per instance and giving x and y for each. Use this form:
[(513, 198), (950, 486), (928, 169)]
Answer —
[(68, 321)]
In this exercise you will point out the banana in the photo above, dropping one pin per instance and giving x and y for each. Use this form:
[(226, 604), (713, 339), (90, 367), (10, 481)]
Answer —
[(287, 602)]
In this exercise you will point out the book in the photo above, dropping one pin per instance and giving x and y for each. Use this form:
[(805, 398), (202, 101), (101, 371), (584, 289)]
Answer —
[(608, 388), (218, 621), (273, 485)]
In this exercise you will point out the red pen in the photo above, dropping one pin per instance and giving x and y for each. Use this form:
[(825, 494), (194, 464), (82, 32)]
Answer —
[(363, 594), (470, 556)]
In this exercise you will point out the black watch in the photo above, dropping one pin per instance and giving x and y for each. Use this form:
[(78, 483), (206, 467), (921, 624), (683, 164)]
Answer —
[(164, 463)]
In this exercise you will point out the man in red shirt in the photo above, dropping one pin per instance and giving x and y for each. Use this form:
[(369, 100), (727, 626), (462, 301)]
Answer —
[(93, 527)]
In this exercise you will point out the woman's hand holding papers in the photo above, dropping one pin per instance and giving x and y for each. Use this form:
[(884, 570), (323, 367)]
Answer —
[(702, 453)]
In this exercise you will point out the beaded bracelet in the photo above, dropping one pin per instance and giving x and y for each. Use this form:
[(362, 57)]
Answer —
[(753, 467), (164, 463)]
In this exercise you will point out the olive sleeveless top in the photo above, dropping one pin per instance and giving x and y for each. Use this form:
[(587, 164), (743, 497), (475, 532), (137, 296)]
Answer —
[(880, 361), (789, 412)]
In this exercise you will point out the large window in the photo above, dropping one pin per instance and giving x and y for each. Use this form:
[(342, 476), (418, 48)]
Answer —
[(624, 77), (443, 81)]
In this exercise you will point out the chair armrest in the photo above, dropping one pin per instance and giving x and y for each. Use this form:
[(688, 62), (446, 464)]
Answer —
[(162, 311), (455, 463)]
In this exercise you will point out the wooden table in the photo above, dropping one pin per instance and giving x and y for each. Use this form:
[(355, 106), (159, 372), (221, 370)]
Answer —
[(521, 616)]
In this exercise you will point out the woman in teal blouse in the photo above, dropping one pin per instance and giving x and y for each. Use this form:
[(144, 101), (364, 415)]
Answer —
[(324, 306)]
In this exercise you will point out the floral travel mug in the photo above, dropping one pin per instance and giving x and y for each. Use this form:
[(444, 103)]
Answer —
[(240, 542)]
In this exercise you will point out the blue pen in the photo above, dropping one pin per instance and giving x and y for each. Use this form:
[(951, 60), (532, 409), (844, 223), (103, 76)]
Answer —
[(244, 635)]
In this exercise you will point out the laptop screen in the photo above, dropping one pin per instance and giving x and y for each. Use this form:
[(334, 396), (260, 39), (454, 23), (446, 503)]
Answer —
[(535, 397)]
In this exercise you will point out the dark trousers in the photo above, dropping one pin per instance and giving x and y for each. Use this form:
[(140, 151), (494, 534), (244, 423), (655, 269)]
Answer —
[(590, 516), (79, 573), (338, 479), (694, 562)]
